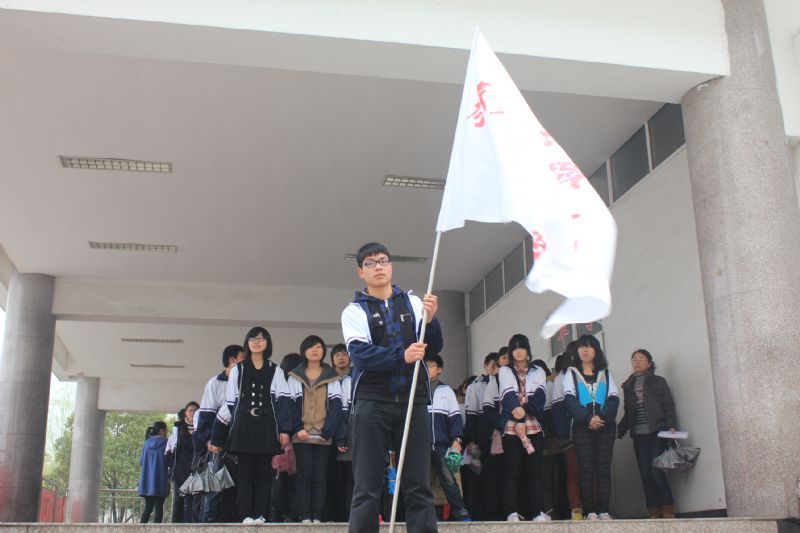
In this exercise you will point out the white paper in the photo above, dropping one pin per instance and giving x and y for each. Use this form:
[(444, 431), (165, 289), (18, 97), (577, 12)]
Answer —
[(678, 435)]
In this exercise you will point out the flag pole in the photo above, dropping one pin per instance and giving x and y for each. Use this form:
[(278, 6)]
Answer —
[(402, 456)]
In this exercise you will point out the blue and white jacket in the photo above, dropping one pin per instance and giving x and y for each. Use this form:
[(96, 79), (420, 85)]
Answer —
[(280, 397), (584, 400), (473, 403), (491, 403), (342, 431), (562, 421), (535, 392), (213, 400), (385, 360), (299, 383), (447, 423)]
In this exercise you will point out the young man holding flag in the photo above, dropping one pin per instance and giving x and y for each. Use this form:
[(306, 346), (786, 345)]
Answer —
[(380, 328)]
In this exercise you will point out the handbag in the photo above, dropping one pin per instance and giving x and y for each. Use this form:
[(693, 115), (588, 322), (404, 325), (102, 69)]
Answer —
[(677, 457)]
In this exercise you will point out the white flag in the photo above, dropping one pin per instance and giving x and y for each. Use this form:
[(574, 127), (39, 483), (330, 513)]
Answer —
[(506, 167)]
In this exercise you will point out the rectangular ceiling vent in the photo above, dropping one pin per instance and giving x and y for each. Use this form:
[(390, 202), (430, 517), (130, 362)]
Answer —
[(133, 247), (395, 258), (108, 163), (412, 182), (155, 365), (152, 341)]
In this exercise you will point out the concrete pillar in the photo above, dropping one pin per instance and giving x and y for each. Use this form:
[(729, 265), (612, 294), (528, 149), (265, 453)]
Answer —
[(748, 221), (25, 365), (454, 327), (86, 461)]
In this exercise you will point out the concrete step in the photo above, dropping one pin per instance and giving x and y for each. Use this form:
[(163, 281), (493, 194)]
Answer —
[(694, 525)]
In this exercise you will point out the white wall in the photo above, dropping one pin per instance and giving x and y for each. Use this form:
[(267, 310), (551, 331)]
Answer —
[(783, 17), (658, 305)]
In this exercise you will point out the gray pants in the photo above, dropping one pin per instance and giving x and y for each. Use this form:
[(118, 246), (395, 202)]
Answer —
[(378, 427)]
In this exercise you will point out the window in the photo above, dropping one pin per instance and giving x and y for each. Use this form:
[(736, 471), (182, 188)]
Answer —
[(666, 132), (477, 302), (629, 164), (514, 268), (494, 285)]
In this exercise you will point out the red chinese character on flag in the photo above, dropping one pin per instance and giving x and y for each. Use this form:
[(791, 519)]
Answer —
[(539, 245), (479, 114), (567, 172), (563, 333), (548, 139)]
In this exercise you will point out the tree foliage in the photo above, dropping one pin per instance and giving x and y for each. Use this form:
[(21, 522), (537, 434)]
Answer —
[(122, 446)]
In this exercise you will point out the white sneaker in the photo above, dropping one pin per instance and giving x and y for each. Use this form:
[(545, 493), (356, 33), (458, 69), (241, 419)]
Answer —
[(592, 516), (543, 517), (260, 520), (247, 520), (604, 516), (514, 517), (315, 521), (305, 521)]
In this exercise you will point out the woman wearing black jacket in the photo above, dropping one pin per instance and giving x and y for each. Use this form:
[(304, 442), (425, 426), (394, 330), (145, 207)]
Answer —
[(649, 409), (180, 450)]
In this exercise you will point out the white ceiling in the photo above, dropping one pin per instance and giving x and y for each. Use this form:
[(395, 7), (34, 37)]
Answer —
[(277, 175)]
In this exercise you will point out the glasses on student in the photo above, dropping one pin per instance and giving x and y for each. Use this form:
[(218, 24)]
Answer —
[(370, 263), (257, 338)]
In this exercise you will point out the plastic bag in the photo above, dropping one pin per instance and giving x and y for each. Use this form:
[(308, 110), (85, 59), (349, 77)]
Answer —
[(677, 457)]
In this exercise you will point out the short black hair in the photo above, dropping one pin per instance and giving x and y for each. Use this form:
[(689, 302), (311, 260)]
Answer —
[(489, 358), (436, 358), (231, 350), (290, 362), (502, 351), (600, 362), (571, 355), (646, 354), (310, 342), (254, 333), (196, 405), (337, 348), (517, 341), (541, 364), (370, 249)]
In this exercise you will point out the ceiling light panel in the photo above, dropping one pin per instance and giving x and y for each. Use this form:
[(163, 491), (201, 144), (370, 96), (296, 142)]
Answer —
[(155, 365), (133, 247), (105, 163), (152, 341), (395, 258), (412, 182)]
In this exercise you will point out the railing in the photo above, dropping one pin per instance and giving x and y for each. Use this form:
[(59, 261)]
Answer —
[(121, 506), (52, 502)]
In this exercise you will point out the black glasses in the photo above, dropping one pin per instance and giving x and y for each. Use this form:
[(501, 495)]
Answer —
[(370, 263), (257, 338)]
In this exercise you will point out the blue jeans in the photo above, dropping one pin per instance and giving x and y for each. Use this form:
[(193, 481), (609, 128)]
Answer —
[(656, 486)]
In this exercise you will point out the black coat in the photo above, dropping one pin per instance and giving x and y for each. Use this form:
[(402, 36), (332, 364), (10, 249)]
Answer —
[(657, 403)]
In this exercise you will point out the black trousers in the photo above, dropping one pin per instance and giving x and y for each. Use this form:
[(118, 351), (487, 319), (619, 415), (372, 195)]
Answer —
[(522, 467), (378, 427), (312, 474), (150, 503), (178, 503), (254, 479), (656, 486), (341, 495), (594, 449), (448, 482)]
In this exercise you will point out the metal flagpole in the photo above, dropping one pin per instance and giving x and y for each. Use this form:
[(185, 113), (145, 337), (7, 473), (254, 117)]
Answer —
[(402, 456)]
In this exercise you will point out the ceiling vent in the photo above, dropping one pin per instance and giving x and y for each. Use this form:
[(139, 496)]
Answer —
[(152, 341), (133, 247), (156, 365), (412, 182), (106, 163), (395, 258)]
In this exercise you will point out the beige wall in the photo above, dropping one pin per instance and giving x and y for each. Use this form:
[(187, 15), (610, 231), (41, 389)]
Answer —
[(658, 305)]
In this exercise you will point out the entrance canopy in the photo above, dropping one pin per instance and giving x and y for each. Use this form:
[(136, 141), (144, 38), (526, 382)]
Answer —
[(280, 128)]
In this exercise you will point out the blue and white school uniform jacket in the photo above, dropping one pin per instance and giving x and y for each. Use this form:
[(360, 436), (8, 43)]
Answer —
[(491, 403), (213, 400), (579, 397), (341, 432), (280, 396), (473, 403), (535, 392), (562, 421), (447, 422), (333, 414)]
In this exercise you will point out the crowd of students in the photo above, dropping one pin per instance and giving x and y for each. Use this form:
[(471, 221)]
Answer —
[(534, 443)]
